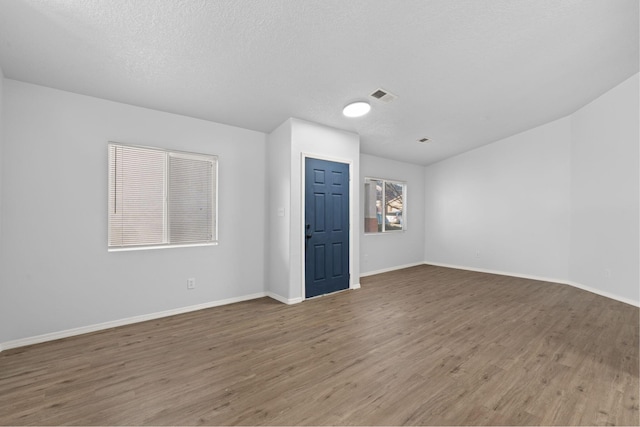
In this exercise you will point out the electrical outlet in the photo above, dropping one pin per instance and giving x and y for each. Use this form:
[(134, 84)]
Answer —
[(478, 253), (191, 283)]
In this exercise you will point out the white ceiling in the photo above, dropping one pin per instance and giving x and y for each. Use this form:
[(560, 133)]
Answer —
[(466, 72)]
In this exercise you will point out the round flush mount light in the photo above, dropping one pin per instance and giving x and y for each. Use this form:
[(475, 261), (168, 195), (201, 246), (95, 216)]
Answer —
[(356, 109)]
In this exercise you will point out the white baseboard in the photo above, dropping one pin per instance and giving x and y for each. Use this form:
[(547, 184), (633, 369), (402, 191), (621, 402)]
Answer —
[(498, 272), (290, 301), (386, 270), (122, 322), (603, 293), (542, 279), (280, 298)]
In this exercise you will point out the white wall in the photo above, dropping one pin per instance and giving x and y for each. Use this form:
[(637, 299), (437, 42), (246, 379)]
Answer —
[(56, 271), (279, 211), (605, 193), (505, 206), (1, 157), (384, 251), (560, 201)]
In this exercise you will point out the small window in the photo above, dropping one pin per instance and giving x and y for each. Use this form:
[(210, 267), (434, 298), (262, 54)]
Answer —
[(161, 198), (384, 205)]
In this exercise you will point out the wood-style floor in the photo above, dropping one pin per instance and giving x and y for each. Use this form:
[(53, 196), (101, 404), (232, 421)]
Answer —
[(421, 346)]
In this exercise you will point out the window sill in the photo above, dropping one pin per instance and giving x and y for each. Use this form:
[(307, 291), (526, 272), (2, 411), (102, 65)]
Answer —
[(381, 233), (142, 248)]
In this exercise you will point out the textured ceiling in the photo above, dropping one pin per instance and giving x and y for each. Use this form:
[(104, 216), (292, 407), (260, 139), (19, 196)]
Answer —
[(466, 72)]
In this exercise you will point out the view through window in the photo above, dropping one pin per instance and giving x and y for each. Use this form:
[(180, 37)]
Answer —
[(384, 202)]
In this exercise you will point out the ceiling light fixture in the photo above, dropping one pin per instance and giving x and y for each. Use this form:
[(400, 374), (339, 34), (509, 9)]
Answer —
[(356, 109)]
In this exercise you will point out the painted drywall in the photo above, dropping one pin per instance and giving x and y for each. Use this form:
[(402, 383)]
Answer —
[(559, 202), (1, 157), (313, 140), (384, 251), (279, 211), (505, 206), (605, 193), (56, 271)]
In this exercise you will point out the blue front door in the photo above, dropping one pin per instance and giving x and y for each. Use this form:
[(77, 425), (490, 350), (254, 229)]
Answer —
[(326, 227)]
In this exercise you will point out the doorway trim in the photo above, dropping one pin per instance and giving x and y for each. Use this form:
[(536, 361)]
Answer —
[(301, 225)]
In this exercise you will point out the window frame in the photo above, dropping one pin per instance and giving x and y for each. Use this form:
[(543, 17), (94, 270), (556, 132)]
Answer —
[(214, 159), (385, 181)]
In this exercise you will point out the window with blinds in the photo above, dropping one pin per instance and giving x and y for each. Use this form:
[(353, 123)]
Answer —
[(160, 198)]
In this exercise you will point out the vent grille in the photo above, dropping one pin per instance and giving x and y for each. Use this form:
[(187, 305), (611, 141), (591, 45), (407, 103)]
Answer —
[(383, 95), (378, 94)]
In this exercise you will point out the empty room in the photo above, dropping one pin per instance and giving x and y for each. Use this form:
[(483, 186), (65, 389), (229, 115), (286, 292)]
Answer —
[(319, 212)]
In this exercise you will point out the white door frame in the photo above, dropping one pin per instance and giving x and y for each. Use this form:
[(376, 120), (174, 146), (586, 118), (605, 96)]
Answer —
[(302, 224)]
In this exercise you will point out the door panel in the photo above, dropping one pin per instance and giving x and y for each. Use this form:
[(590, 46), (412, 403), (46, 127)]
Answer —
[(318, 262), (326, 227), (336, 251), (319, 207)]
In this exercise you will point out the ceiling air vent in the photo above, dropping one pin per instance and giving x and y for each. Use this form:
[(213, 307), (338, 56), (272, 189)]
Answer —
[(383, 95), (423, 140)]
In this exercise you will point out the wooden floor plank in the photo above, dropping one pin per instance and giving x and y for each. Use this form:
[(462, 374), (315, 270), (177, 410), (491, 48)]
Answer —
[(420, 346)]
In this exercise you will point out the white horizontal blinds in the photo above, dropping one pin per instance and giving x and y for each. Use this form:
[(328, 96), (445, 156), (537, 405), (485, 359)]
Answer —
[(191, 198), (136, 196), (115, 196)]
